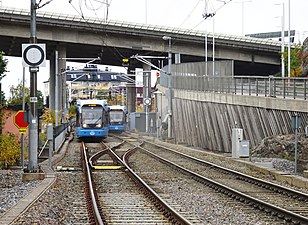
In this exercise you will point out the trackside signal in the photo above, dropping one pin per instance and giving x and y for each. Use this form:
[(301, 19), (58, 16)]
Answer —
[(125, 62)]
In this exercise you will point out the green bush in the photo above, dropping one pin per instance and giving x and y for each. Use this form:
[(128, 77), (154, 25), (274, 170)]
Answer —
[(9, 150)]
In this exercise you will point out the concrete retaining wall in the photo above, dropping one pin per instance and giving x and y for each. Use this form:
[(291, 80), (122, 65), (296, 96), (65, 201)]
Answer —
[(206, 120)]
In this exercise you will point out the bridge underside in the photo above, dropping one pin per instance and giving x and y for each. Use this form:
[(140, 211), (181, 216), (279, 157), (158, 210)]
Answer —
[(113, 56)]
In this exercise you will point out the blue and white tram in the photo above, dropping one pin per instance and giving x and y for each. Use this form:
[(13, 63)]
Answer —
[(92, 118), (118, 118)]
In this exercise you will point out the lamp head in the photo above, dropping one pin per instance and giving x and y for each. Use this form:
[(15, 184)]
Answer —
[(166, 38)]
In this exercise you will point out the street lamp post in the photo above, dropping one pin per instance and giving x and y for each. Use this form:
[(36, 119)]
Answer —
[(205, 16), (289, 44), (56, 88), (282, 42), (213, 54), (169, 87)]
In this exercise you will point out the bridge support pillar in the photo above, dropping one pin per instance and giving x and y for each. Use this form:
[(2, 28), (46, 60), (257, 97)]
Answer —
[(61, 80), (131, 97), (52, 82)]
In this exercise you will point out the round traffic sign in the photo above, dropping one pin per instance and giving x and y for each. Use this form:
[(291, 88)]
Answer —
[(19, 120), (33, 55), (147, 101)]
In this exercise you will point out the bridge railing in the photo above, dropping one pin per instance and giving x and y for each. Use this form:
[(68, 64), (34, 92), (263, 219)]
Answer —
[(270, 86)]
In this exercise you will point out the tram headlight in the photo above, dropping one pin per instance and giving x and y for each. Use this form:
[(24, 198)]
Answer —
[(98, 125), (84, 125)]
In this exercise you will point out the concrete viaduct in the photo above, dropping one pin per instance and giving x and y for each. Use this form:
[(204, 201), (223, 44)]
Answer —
[(80, 37)]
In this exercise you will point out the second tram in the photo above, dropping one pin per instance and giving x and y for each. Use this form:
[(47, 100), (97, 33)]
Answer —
[(118, 118)]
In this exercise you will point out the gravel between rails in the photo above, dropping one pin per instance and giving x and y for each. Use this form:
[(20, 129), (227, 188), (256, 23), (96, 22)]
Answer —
[(209, 206), (278, 164)]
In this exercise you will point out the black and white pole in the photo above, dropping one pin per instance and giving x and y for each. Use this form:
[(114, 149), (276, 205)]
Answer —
[(296, 122), (158, 111), (169, 87), (57, 88)]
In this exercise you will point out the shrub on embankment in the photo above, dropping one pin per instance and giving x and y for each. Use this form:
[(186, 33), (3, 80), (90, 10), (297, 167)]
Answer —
[(9, 150)]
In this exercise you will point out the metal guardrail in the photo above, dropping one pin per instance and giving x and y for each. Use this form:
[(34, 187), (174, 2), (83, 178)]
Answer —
[(270, 86), (59, 134), (59, 129)]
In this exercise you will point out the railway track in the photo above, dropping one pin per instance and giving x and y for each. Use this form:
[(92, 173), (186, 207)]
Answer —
[(284, 203), (121, 196), (121, 201)]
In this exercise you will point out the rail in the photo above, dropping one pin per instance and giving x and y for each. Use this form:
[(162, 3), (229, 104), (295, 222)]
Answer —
[(269, 86), (94, 209)]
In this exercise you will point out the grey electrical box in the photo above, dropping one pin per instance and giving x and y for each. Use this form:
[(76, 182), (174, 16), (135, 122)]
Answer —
[(138, 121), (50, 131), (237, 137), (244, 149)]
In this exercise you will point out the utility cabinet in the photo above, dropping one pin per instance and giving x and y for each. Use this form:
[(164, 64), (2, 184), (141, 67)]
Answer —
[(237, 137), (240, 147), (244, 149), (137, 121)]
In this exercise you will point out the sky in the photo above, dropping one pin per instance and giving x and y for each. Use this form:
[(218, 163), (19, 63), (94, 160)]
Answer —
[(235, 17)]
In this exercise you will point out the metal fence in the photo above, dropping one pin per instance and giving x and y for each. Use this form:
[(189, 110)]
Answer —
[(192, 77), (295, 88), (196, 69), (59, 135)]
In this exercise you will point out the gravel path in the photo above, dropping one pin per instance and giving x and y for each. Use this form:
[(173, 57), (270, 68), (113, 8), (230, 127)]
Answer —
[(64, 202), (12, 188)]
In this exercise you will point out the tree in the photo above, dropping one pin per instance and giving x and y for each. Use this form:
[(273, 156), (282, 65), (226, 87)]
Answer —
[(3, 99), (3, 70), (3, 65), (296, 61), (17, 95)]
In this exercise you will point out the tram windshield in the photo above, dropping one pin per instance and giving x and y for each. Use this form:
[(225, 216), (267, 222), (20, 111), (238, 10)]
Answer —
[(116, 117), (91, 115)]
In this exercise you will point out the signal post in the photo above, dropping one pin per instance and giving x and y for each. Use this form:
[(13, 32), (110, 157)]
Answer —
[(33, 56)]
